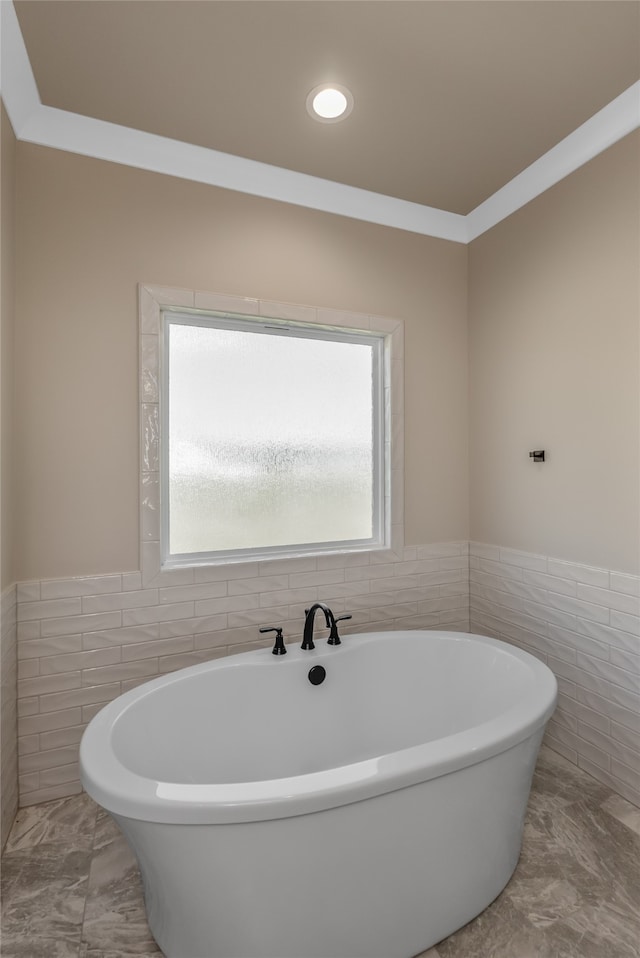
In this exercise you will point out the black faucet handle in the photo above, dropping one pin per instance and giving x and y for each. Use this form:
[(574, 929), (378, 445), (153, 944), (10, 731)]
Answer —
[(334, 638), (279, 647)]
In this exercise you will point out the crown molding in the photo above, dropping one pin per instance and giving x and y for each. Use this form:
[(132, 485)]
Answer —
[(46, 126), (17, 84), (118, 144), (601, 131)]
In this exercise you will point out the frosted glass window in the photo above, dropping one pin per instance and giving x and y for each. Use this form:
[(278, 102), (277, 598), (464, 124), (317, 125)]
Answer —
[(274, 440)]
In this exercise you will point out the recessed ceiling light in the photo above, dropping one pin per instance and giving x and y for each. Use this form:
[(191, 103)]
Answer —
[(329, 103)]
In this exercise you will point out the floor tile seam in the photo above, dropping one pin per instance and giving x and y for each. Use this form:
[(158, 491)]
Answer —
[(571, 811), (31, 847), (588, 876), (578, 882), (525, 925), (41, 809), (566, 864), (634, 832), (596, 933), (595, 781), (86, 893), (32, 850), (596, 805)]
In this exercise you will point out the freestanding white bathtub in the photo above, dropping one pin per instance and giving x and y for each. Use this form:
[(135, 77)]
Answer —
[(366, 817)]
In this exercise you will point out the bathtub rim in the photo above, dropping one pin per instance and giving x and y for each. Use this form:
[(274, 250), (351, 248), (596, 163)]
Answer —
[(124, 792)]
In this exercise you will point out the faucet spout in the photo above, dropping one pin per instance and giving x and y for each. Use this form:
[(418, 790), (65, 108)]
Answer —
[(307, 635)]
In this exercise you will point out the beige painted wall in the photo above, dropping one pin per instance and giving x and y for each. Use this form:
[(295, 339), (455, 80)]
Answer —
[(554, 320), (7, 167), (89, 231)]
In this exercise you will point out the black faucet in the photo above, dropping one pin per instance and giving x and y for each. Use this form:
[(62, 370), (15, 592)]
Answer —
[(334, 638), (279, 647), (307, 635)]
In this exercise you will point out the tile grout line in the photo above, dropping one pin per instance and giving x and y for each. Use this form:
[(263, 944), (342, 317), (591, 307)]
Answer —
[(86, 897)]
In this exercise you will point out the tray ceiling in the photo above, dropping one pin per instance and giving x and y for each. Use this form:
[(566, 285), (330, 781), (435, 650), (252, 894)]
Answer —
[(452, 99)]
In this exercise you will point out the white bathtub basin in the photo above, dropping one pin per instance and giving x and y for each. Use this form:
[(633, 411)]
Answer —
[(393, 794)]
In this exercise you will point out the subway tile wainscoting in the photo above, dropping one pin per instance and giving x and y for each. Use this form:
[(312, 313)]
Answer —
[(84, 641), (584, 622)]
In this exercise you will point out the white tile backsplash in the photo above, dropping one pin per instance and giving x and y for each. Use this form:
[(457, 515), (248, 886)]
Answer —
[(132, 634), (221, 303), (185, 593), (584, 622), (49, 609), (588, 575), (83, 623), (629, 584), (131, 581), (149, 363), (625, 622), (580, 620), (74, 588), (119, 601)]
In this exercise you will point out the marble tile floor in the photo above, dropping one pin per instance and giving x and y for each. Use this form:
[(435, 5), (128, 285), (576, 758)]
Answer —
[(71, 888)]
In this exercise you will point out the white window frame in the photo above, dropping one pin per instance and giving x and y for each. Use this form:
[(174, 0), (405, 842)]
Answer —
[(155, 301), (272, 326)]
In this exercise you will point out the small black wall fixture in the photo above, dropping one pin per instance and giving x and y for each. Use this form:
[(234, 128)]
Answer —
[(537, 455)]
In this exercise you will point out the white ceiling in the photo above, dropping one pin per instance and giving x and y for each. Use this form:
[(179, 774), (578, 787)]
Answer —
[(464, 109)]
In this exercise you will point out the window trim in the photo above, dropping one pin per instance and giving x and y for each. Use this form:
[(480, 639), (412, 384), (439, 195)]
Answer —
[(276, 327), (153, 300)]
